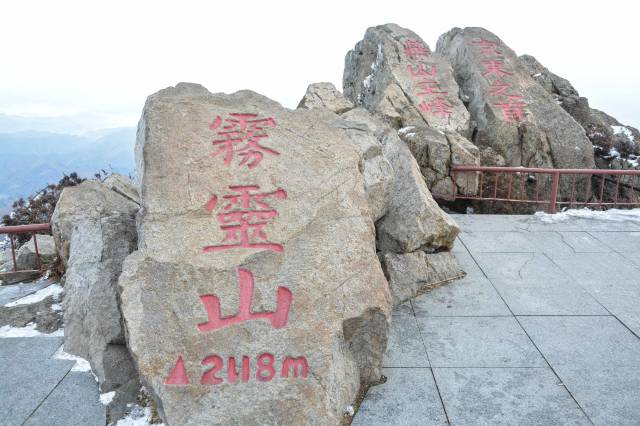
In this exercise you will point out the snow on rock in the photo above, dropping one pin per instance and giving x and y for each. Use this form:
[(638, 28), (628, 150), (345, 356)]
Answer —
[(613, 215), (139, 416), (106, 398), (623, 130), (52, 290), (81, 365), (27, 331)]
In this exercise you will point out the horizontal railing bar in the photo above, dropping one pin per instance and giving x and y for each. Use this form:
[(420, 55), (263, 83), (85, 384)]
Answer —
[(543, 170), (21, 229)]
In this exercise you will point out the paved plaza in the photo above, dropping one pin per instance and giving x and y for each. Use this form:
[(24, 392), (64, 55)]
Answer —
[(542, 331)]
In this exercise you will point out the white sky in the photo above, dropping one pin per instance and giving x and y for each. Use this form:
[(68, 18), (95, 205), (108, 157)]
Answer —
[(64, 57)]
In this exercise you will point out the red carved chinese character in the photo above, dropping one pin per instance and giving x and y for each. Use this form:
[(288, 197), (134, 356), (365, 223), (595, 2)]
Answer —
[(494, 67), (499, 88), (421, 71), (241, 135), (437, 107), (512, 110), (415, 48), (244, 217), (429, 87), (278, 318), (178, 374), (487, 48)]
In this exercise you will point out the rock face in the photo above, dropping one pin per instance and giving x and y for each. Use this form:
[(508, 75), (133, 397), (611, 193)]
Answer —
[(26, 255), (327, 96), (513, 115), (94, 229), (615, 144), (123, 186), (394, 74), (415, 273), (244, 303)]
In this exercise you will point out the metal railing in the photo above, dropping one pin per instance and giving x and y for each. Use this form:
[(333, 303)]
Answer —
[(32, 229), (554, 187)]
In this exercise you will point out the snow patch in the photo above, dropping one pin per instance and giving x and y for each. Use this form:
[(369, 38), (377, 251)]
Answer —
[(538, 74), (106, 398), (612, 215), (56, 307), (139, 416), (28, 330), (623, 130), (403, 131), (52, 290), (81, 365)]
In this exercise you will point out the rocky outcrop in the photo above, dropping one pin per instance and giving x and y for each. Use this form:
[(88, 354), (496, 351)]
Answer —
[(514, 116), (325, 95), (616, 145), (94, 230), (393, 74), (244, 302), (123, 186)]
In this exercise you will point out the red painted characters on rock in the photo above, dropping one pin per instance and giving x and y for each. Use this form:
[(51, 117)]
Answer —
[(438, 107), (415, 49), (277, 318), (240, 134), (513, 110), (244, 217), (488, 47)]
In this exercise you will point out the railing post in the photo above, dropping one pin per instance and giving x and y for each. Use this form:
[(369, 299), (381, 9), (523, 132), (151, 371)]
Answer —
[(13, 253), (553, 198)]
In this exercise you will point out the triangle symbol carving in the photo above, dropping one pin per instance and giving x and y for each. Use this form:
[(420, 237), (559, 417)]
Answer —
[(178, 375)]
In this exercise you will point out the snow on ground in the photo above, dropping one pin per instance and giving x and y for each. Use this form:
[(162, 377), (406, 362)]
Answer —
[(139, 416), (27, 331), (52, 290), (81, 365), (613, 215)]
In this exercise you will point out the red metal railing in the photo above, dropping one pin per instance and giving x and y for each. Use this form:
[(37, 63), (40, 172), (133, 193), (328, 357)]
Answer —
[(553, 187), (32, 229)]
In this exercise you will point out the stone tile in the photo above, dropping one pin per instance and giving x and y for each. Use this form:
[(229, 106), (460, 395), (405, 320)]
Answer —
[(519, 266), (405, 347), (620, 241), (478, 342), (29, 347), (74, 402), (458, 246), (598, 271), (633, 256), (578, 224), (469, 265), (403, 309), (624, 303), (497, 242), (583, 242), (590, 342), (409, 397), (565, 242), (506, 396), (490, 222), (609, 396), (24, 385), (9, 293), (532, 296), (466, 297)]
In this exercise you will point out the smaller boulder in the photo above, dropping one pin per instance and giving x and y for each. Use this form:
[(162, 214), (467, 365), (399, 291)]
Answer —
[(325, 95), (123, 186), (26, 255), (411, 274)]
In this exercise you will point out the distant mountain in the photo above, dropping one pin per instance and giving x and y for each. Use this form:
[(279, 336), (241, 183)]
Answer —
[(30, 160), (77, 124)]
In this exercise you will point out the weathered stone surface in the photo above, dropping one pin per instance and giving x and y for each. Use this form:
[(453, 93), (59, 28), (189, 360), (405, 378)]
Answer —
[(318, 249), (376, 170), (9, 277), (26, 256), (325, 95), (95, 227), (513, 114), (411, 274), (413, 220), (385, 73), (123, 186), (616, 145)]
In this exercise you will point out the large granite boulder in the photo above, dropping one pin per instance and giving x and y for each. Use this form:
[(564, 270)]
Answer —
[(514, 116), (325, 95), (94, 228), (255, 296), (393, 74)]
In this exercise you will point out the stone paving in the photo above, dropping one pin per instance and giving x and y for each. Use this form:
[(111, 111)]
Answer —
[(542, 331)]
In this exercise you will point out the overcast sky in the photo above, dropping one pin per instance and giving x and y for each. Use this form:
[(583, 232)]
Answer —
[(68, 57)]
